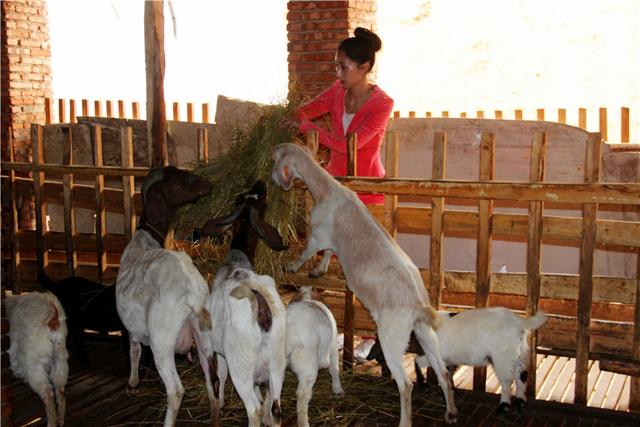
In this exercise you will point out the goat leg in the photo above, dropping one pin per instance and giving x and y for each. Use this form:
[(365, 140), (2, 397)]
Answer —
[(311, 249), (323, 265)]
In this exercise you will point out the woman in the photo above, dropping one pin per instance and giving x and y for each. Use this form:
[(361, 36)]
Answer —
[(356, 106)]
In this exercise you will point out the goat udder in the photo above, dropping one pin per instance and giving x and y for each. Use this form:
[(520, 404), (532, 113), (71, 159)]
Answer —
[(183, 345)]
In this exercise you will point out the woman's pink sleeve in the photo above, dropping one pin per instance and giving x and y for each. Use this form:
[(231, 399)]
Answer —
[(374, 122), (333, 142), (319, 105)]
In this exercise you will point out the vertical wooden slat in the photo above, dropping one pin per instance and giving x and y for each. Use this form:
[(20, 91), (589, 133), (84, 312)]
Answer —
[(190, 112), (582, 118), (585, 289), (349, 298), (634, 394), (562, 115), (48, 111), (518, 114), (540, 114), (497, 114), (42, 254), (203, 144), (155, 69), (101, 217), (412, 114), (602, 123), (85, 107), (62, 111), (436, 251), (128, 183), (16, 281), (391, 167), (624, 124), (396, 114), (427, 114), (135, 110), (483, 255), (72, 111), (205, 113), (109, 108), (463, 115), (176, 111), (445, 114), (121, 112), (534, 240), (97, 108), (69, 211), (480, 114)]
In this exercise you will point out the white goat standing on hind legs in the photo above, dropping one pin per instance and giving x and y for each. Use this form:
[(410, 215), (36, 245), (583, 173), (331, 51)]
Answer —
[(378, 272)]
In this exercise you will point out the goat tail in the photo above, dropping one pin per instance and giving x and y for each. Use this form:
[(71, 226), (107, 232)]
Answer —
[(535, 321), (431, 316), (53, 321), (204, 318)]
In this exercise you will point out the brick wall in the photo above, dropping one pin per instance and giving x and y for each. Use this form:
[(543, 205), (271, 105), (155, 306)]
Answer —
[(26, 69), (314, 30)]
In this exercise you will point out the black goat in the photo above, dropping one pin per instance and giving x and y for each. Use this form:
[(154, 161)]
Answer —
[(247, 220), (88, 305)]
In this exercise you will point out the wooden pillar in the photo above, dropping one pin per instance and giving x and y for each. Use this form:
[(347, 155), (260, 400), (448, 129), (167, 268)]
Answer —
[(436, 250), (155, 65), (69, 211), (128, 183), (483, 253), (101, 214), (42, 254), (16, 281), (634, 394), (391, 167), (534, 240), (585, 290), (203, 145)]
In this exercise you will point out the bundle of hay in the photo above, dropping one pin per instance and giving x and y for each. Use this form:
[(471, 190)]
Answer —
[(247, 160)]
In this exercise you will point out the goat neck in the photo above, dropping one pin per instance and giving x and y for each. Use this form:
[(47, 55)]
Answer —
[(315, 177)]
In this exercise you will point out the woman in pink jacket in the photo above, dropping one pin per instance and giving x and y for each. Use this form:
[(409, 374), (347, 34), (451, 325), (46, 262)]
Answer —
[(356, 106)]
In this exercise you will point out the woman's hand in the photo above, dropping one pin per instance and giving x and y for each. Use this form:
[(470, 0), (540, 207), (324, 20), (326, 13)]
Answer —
[(292, 125)]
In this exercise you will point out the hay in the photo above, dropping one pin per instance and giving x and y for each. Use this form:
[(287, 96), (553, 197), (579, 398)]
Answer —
[(248, 160)]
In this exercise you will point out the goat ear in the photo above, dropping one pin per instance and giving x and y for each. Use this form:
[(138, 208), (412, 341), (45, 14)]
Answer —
[(217, 226), (265, 231)]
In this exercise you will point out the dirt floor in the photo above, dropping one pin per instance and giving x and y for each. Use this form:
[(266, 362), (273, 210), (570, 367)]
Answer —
[(95, 397)]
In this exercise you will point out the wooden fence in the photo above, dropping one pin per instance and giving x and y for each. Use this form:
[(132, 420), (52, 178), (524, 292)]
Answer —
[(601, 319)]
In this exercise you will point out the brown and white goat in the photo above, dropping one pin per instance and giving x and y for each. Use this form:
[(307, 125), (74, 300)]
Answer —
[(378, 272), (38, 352), (161, 297)]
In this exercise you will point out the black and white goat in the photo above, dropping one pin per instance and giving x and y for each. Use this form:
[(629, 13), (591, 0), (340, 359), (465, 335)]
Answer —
[(311, 345), (160, 295), (38, 352), (378, 272), (482, 336), (249, 337)]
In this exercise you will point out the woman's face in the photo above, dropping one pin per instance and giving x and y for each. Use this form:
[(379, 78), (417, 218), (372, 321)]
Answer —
[(349, 72)]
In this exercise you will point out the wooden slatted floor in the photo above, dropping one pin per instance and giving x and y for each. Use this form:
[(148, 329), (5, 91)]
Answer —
[(95, 398)]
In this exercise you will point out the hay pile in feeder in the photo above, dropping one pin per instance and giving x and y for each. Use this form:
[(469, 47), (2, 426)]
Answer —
[(247, 160)]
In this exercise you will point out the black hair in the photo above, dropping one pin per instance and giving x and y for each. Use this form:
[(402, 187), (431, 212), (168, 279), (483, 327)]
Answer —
[(362, 47)]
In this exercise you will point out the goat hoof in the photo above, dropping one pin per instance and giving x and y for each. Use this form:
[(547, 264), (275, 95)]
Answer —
[(314, 274), (518, 404), (131, 391), (504, 408), (291, 268), (451, 417)]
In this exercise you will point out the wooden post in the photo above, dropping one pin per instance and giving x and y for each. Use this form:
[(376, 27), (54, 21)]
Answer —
[(412, 114), (498, 114), (128, 183), (154, 59), (135, 110), (445, 114), (190, 112), (121, 113), (101, 216), (585, 290), (42, 254), (483, 254), (109, 108), (562, 115), (634, 394), (72, 111), (349, 298), (62, 111), (540, 114), (582, 118), (463, 115), (534, 240), (480, 114), (97, 108), (69, 211), (518, 114), (624, 124), (205, 113), (85, 107), (48, 111), (16, 282), (391, 167), (176, 111), (602, 123), (438, 171), (203, 145)]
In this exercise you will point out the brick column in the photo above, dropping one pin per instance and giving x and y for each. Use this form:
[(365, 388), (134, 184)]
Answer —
[(315, 28), (26, 69)]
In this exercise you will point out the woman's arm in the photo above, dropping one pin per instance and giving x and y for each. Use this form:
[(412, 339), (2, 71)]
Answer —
[(374, 121), (319, 105)]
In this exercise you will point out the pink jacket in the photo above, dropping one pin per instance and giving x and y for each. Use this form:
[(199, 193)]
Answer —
[(369, 123)]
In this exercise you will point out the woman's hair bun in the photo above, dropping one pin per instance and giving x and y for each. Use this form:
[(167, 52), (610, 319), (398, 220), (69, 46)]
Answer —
[(369, 35)]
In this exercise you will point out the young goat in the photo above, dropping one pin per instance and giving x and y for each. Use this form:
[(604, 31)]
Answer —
[(311, 345), (250, 334), (378, 272), (88, 305), (481, 336), (160, 295), (38, 352)]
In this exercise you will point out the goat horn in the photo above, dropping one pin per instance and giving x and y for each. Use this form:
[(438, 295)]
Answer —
[(155, 175), (265, 231)]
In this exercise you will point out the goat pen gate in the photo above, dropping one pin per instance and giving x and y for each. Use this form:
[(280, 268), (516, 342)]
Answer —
[(615, 341)]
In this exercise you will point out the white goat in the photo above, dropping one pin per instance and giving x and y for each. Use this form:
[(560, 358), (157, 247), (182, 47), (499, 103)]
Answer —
[(250, 334), (38, 352), (489, 335), (160, 295), (311, 345), (378, 272)]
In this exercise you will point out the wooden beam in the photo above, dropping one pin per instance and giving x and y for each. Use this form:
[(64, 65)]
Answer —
[(391, 167), (37, 142), (155, 65), (128, 183), (436, 248), (101, 213), (349, 298), (69, 210)]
